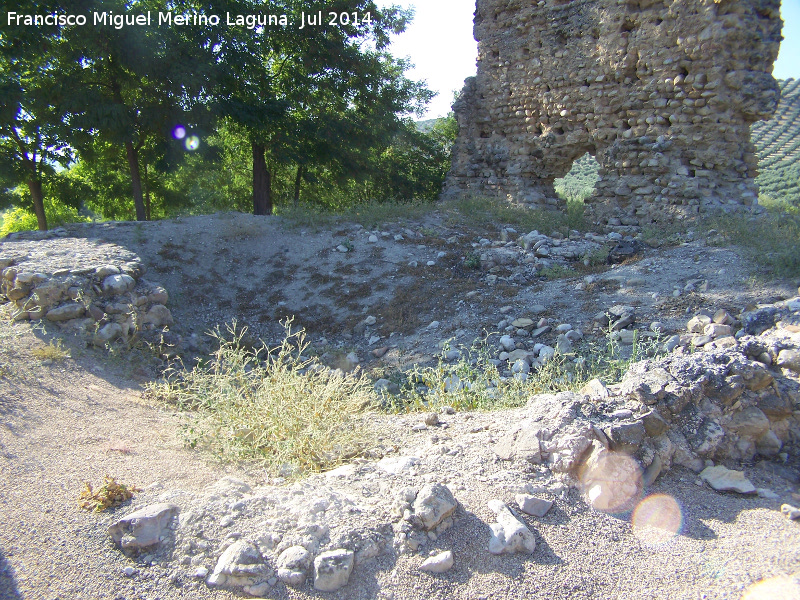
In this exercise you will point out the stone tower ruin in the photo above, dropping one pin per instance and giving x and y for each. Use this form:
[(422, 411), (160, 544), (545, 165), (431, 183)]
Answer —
[(661, 92)]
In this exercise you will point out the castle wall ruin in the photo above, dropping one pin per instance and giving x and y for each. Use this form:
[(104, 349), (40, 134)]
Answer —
[(661, 92)]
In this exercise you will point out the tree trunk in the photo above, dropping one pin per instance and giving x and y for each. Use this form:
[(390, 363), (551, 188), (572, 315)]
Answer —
[(262, 183), (35, 187), (136, 180), (297, 181), (146, 193)]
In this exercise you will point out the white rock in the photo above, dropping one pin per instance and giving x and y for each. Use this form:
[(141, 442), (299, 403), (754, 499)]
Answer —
[(159, 315), (114, 285), (128, 571), (521, 367), (144, 527), (200, 572), (438, 564), (789, 359), (509, 535), (108, 333), (532, 505), (293, 566), (106, 270), (332, 570), (791, 512), (508, 343), (546, 353), (397, 464), (434, 503), (373, 239), (66, 312), (240, 565), (726, 480)]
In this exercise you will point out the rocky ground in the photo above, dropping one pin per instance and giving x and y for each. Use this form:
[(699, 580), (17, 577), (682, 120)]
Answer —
[(644, 527)]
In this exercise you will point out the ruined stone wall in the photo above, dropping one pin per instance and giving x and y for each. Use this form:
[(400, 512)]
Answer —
[(661, 92)]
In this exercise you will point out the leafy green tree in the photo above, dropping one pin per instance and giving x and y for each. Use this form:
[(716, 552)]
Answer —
[(132, 86), (33, 135), (320, 96)]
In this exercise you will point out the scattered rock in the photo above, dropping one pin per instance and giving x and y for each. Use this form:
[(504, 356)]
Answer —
[(791, 512), (240, 565), (66, 312), (789, 359), (440, 563), (114, 285), (509, 535), (332, 570), (143, 528), (434, 503), (293, 565), (723, 479), (532, 505)]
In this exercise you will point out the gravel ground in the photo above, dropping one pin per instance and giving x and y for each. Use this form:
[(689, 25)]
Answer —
[(78, 419)]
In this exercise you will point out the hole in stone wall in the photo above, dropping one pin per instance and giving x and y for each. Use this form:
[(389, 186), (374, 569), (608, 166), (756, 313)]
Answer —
[(579, 183)]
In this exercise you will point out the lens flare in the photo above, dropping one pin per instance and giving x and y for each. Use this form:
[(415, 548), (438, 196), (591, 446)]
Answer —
[(192, 142), (657, 519), (179, 132), (611, 481), (785, 588)]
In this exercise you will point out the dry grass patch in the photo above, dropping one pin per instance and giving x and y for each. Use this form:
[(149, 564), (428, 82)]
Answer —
[(51, 351), (273, 406)]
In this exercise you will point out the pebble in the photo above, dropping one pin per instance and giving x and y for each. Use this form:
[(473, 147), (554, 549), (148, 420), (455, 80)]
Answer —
[(440, 563), (792, 513), (431, 419), (532, 505), (128, 571)]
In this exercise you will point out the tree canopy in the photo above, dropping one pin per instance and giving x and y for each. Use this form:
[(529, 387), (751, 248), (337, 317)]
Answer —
[(145, 118)]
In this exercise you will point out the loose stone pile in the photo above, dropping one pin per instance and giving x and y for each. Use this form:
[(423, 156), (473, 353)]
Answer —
[(700, 405), (662, 94), (103, 301)]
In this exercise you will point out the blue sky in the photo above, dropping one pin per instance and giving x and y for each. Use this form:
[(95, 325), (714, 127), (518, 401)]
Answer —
[(440, 43)]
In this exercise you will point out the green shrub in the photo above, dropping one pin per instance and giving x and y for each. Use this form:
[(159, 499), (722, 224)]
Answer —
[(771, 240), (57, 213), (474, 382), (270, 405)]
